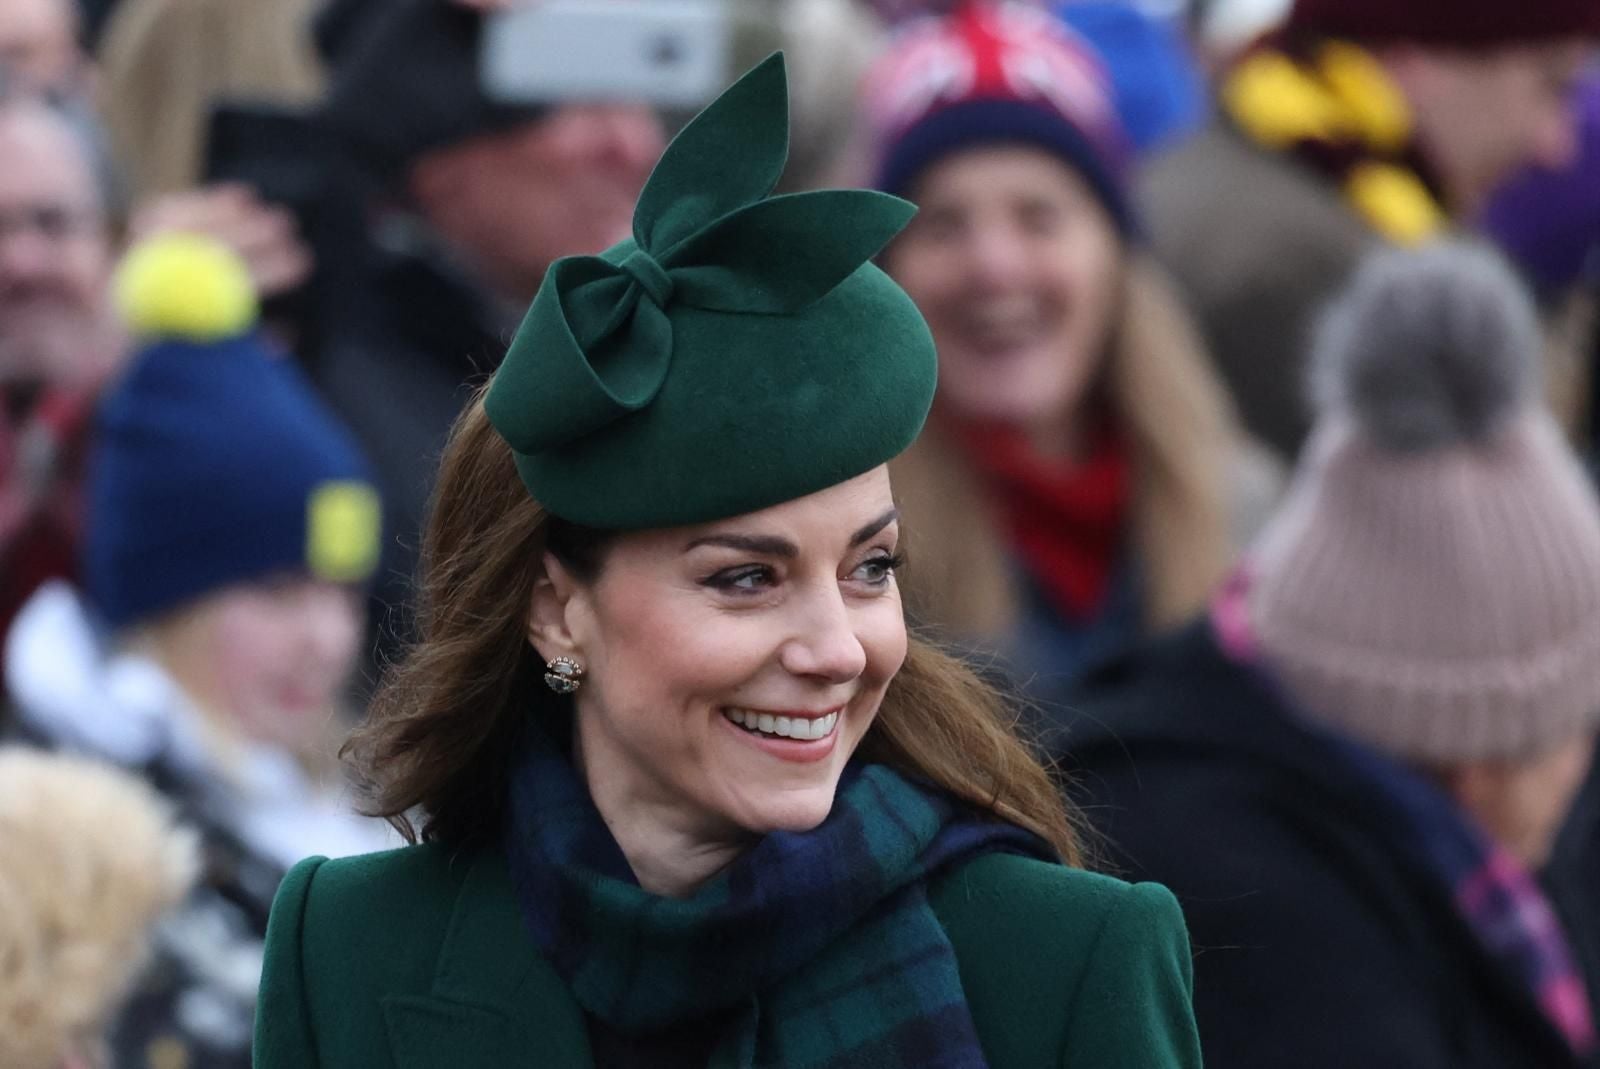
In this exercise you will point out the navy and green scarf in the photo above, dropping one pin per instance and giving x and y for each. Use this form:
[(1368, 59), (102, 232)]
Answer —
[(817, 949)]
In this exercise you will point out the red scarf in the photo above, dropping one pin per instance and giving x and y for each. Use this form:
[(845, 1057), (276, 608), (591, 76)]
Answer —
[(1065, 520)]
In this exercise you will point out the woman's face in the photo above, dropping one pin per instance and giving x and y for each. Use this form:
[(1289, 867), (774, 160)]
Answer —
[(1017, 269), (733, 668), (271, 657), (1523, 804)]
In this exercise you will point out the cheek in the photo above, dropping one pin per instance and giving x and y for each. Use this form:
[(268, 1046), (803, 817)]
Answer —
[(252, 650), (928, 274), (663, 651), (883, 636)]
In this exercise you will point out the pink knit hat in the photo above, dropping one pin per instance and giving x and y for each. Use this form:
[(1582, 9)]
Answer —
[(1432, 584)]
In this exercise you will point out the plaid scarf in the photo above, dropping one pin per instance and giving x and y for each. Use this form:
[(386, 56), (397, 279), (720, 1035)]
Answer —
[(1331, 105), (1493, 891), (820, 948)]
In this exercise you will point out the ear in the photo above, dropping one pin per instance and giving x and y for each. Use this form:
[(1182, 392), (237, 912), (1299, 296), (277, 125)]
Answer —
[(549, 612)]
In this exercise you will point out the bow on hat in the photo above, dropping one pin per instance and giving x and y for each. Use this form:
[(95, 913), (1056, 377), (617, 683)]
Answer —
[(597, 342)]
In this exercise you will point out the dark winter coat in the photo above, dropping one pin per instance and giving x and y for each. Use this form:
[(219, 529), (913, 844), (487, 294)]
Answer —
[(1060, 968), (1320, 942), (410, 338)]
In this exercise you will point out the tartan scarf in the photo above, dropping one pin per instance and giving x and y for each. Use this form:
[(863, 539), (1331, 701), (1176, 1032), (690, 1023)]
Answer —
[(1332, 106), (1494, 893), (1067, 521), (819, 947)]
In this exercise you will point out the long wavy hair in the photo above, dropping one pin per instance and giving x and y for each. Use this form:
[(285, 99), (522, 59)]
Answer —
[(433, 756)]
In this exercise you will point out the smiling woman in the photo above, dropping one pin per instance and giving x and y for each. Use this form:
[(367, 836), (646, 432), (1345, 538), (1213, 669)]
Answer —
[(688, 791)]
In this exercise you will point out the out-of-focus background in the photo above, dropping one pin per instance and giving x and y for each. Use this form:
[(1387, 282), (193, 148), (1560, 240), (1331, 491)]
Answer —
[(1135, 216)]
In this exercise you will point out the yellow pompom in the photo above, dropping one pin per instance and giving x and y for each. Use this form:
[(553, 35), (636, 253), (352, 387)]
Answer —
[(185, 286)]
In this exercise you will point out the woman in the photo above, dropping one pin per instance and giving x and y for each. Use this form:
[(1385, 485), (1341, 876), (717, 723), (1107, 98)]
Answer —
[(1081, 482), (230, 528), (688, 793), (1352, 772)]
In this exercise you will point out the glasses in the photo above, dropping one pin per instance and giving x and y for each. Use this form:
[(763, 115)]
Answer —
[(55, 223)]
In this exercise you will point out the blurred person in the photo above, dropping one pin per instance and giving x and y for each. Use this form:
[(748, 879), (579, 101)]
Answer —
[(1081, 482), (1352, 770), (1548, 220), (164, 64), (58, 335), (829, 46), (469, 201), (90, 863), (40, 47), (231, 525), (1363, 122), (666, 520)]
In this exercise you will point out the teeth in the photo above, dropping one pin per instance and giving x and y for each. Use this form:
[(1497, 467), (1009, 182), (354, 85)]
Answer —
[(801, 728)]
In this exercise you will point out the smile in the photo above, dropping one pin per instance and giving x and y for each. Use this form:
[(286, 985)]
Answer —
[(799, 728)]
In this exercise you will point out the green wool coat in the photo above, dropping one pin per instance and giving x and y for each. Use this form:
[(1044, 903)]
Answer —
[(415, 959)]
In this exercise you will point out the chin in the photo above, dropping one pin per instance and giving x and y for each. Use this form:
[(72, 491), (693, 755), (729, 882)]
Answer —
[(795, 811)]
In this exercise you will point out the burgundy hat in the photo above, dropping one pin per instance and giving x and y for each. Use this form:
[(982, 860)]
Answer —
[(1459, 23)]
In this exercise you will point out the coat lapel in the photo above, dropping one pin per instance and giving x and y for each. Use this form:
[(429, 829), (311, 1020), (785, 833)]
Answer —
[(495, 1000)]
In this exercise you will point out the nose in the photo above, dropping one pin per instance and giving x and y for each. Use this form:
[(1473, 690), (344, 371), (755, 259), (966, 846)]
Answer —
[(996, 258), (629, 137), (332, 627), (1557, 141), (26, 254), (825, 645)]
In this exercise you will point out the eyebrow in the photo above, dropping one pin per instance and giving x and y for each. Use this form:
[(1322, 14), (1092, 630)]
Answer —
[(778, 546)]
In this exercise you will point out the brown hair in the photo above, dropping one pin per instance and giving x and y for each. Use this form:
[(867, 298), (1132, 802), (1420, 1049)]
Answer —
[(1181, 434), (444, 724)]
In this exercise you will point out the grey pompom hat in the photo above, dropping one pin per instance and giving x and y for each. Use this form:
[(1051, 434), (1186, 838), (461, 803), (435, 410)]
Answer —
[(1431, 586)]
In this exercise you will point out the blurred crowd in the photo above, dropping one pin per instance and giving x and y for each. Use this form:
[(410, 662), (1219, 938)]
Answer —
[(1259, 470)]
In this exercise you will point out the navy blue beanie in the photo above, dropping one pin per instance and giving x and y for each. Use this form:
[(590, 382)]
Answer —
[(215, 463), (997, 73)]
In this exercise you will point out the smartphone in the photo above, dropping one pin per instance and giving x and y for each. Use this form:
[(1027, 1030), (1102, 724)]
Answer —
[(279, 152), (669, 53)]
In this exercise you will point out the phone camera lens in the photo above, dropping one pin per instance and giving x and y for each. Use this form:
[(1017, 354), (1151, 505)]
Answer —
[(666, 51)]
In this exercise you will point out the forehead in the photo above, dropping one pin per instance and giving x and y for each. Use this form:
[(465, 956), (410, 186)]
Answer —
[(999, 171), (27, 23), (40, 158)]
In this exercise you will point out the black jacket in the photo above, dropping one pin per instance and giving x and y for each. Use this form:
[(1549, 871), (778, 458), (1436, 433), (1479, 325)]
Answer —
[(408, 340), (1319, 940)]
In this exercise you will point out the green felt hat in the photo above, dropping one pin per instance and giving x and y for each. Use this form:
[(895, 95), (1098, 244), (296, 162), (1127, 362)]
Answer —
[(739, 351)]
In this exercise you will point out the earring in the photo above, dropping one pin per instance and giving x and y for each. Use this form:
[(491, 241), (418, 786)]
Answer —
[(563, 675)]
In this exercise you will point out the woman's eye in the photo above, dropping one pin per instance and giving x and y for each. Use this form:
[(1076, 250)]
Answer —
[(742, 580), (879, 570)]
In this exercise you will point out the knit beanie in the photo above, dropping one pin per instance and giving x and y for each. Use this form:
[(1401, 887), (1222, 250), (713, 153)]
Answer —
[(1459, 24), (994, 73), (214, 462), (1431, 586)]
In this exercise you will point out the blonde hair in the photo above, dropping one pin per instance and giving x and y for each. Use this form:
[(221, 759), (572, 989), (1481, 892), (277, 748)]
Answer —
[(89, 860), (165, 63), (444, 725), (1181, 434)]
